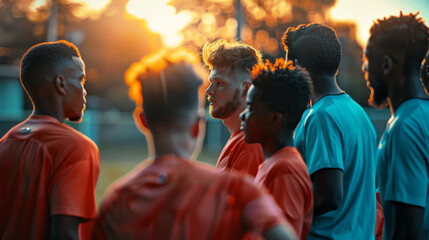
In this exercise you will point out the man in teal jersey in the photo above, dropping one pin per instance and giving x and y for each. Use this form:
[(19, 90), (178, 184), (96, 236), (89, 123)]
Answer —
[(393, 57), (336, 139)]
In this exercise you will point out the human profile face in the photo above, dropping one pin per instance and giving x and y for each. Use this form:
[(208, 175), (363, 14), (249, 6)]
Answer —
[(255, 118), (372, 66), (224, 93), (74, 101)]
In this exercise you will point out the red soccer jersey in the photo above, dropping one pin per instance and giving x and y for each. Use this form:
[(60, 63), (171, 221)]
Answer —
[(46, 168), (240, 156), (285, 175), (175, 199), (379, 220)]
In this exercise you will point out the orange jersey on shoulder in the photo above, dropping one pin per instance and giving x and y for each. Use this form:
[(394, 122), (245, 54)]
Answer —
[(240, 156), (176, 199), (286, 177), (46, 168)]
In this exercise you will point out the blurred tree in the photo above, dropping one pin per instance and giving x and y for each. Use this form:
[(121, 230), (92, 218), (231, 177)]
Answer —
[(109, 42), (263, 23)]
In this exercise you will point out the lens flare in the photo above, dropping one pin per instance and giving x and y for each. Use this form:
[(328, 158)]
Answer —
[(161, 18)]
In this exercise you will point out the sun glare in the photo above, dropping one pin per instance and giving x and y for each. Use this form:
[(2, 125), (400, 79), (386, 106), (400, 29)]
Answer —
[(161, 19), (90, 8), (87, 8), (364, 12)]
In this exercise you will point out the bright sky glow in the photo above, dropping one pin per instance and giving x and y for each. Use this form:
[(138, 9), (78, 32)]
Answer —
[(89, 8), (161, 18), (364, 12)]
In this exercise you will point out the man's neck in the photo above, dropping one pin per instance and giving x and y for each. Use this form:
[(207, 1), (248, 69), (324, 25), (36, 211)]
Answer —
[(171, 144), (284, 138), (411, 87), (46, 112), (233, 122), (324, 85)]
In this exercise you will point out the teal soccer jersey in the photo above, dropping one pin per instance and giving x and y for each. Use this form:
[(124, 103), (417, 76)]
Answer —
[(336, 133), (403, 157)]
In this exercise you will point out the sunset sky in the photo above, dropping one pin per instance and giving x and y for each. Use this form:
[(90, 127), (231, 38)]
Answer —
[(159, 16), (364, 12)]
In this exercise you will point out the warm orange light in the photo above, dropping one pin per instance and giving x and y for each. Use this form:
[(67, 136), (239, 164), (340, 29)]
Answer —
[(364, 12), (87, 8), (161, 18), (90, 8)]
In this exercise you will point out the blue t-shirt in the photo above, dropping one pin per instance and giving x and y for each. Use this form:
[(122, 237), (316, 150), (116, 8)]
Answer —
[(336, 133), (403, 157)]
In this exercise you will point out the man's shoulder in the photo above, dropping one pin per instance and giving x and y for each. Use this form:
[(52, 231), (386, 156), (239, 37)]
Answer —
[(64, 134)]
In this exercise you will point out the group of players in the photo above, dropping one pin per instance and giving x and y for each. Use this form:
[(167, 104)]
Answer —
[(303, 160)]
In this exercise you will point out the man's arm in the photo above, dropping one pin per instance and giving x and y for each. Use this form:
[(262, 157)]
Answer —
[(402, 221), (327, 190), (279, 232), (64, 227)]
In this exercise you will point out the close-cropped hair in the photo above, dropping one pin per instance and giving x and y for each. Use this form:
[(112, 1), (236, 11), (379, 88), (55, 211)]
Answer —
[(283, 88), (44, 58), (165, 84), (404, 32), (234, 54), (315, 46)]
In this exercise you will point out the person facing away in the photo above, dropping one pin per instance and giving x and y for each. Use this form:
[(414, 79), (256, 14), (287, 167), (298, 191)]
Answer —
[(424, 73), (279, 95), (174, 198), (392, 60), (336, 139), (48, 170), (230, 64)]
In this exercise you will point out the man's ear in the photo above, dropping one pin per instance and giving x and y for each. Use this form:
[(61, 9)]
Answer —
[(140, 119), (387, 64), (246, 85), (60, 84), (276, 118)]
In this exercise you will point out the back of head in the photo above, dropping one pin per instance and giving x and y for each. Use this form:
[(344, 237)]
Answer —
[(233, 54), (315, 46), (405, 33), (166, 85), (43, 61), (283, 88)]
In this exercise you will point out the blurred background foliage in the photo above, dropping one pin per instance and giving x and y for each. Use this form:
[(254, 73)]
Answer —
[(113, 34)]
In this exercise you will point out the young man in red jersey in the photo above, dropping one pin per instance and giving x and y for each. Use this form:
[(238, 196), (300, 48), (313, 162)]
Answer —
[(48, 170), (174, 198), (230, 64), (275, 103)]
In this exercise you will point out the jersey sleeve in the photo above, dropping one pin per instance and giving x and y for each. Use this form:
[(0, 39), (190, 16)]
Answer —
[(74, 180), (323, 143), (408, 179)]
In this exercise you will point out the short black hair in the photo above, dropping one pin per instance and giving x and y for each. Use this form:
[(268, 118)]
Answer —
[(404, 32), (283, 88), (315, 46), (44, 58), (165, 85)]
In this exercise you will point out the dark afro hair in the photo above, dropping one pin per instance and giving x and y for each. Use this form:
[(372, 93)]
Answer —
[(283, 88)]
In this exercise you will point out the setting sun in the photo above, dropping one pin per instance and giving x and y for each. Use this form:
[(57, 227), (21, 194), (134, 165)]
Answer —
[(161, 19)]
